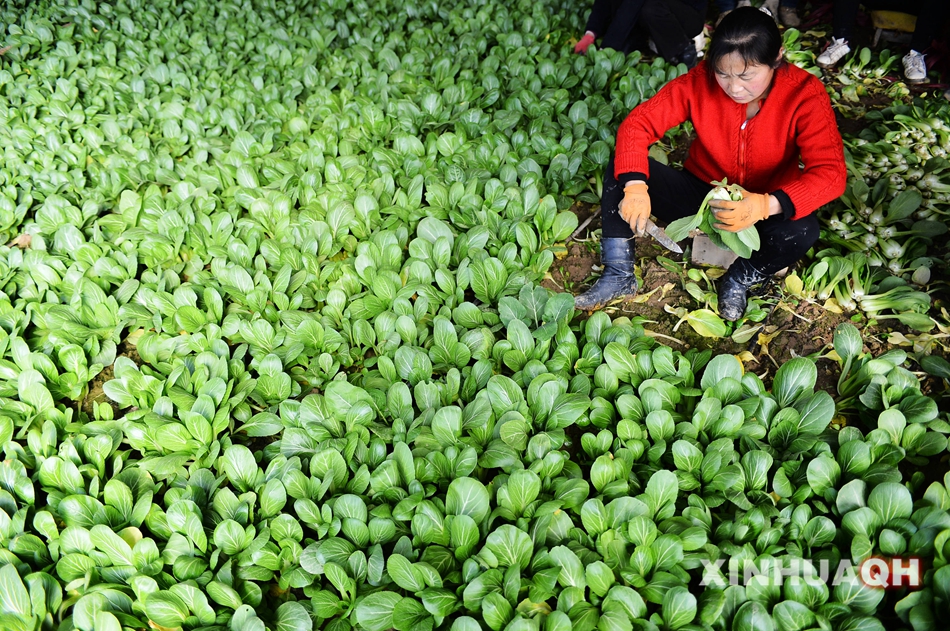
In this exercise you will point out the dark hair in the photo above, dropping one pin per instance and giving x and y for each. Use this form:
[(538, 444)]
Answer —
[(751, 34)]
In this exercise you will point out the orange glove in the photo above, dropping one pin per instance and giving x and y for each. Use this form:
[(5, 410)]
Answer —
[(736, 216), (635, 207)]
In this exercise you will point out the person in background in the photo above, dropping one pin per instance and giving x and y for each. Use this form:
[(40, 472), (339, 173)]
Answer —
[(930, 17), (787, 11), (674, 26), (613, 22), (760, 122)]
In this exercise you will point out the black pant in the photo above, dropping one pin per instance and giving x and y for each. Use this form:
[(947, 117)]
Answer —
[(675, 194), (672, 25), (614, 21), (930, 17)]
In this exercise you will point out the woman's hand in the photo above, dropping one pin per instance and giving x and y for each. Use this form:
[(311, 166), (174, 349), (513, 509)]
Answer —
[(635, 207), (584, 43), (736, 216)]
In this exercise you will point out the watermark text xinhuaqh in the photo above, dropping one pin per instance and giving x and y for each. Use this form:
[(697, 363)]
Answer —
[(877, 571)]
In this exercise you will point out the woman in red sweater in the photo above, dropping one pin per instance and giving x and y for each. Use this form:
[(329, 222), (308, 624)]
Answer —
[(761, 123)]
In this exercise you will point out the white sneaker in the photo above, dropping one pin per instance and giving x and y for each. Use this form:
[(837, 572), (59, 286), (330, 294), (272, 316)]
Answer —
[(744, 3), (836, 49), (770, 7), (915, 70)]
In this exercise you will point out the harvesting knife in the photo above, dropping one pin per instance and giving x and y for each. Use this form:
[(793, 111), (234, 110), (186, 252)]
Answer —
[(660, 235)]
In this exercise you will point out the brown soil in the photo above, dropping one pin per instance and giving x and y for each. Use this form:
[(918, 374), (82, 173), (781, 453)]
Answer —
[(96, 394)]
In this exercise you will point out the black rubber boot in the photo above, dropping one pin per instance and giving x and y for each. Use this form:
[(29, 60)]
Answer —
[(616, 281), (734, 288)]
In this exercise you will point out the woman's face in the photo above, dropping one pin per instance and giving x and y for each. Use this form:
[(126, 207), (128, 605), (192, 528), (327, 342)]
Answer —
[(741, 81)]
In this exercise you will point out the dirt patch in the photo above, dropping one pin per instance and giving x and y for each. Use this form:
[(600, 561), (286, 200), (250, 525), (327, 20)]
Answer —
[(96, 393), (583, 252), (571, 273)]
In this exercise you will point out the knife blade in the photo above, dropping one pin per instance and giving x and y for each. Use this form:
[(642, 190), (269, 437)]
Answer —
[(660, 235)]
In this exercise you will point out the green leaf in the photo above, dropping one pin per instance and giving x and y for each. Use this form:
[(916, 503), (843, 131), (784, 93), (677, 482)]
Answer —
[(662, 488), (230, 537), (117, 549), (578, 113), (753, 616), (82, 511), (106, 621), (31, 388), (852, 591), (686, 456), (467, 496), (793, 379), (816, 411), (293, 616), (711, 604), (707, 323), (496, 611), (721, 367), (438, 602), (679, 229), (567, 410), (823, 474), (511, 546), (793, 616), (465, 623), (851, 496), (375, 612), (521, 489), (224, 594), (847, 341), (464, 535), (14, 598), (819, 531), (903, 205), (891, 500), (626, 599), (854, 457), (679, 607), (862, 521), (402, 573), (240, 466), (599, 577), (166, 609), (572, 570)]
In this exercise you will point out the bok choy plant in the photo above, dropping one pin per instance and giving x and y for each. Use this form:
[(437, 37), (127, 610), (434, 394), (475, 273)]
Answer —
[(743, 243)]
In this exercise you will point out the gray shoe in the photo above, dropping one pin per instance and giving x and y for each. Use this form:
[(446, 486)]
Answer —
[(915, 69), (789, 17)]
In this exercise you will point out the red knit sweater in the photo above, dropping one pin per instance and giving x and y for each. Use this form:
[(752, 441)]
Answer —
[(794, 125)]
